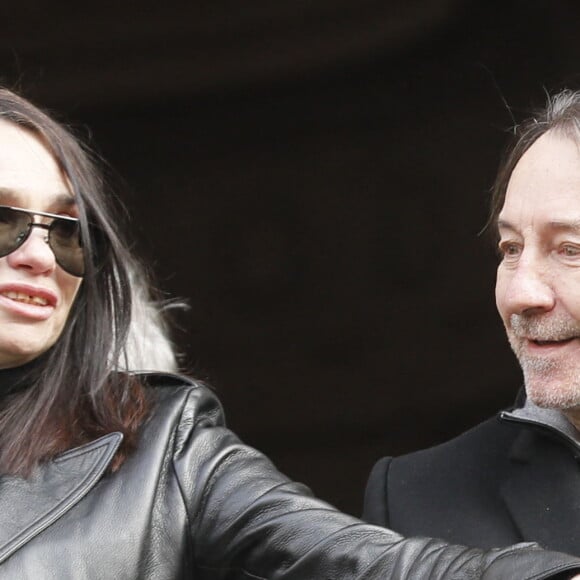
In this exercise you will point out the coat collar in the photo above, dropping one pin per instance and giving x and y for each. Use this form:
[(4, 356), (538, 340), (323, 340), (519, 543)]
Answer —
[(552, 419), (542, 485), (29, 506)]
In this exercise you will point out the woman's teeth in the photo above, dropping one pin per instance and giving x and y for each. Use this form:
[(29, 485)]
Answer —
[(26, 298)]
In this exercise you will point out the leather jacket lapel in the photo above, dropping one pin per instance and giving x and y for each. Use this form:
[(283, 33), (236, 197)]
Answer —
[(542, 492), (29, 506)]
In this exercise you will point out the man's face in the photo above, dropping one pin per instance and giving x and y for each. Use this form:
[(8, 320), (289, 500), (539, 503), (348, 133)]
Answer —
[(538, 280)]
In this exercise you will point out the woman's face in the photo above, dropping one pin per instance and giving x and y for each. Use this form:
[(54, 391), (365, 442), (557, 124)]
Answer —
[(36, 294)]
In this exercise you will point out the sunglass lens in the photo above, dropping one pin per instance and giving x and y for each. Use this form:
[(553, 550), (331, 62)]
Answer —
[(65, 240), (14, 229)]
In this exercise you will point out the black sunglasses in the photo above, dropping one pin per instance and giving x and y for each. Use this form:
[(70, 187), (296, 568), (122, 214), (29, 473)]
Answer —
[(64, 236)]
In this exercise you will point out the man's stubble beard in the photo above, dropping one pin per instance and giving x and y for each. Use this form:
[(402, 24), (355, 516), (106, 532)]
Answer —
[(550, 382)]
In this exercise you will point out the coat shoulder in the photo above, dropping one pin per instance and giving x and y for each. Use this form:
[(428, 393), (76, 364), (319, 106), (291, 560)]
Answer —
[(169, 387), (479, 446), (465, 466), (181, 401)]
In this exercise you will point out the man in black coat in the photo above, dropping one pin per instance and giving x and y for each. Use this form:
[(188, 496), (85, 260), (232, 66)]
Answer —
[(515, 477)]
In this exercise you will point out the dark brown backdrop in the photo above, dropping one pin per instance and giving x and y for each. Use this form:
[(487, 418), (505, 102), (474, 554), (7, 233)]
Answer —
[(312, 177)]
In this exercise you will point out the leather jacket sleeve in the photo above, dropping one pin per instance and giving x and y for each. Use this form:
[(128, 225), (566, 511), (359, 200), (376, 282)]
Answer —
[(248, 521)]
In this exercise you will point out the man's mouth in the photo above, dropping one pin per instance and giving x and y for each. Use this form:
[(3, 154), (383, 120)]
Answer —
[(25, 298), (552, 342)]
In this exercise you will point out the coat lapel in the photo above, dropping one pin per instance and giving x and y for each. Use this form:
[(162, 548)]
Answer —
[(29, 506), (542, 493)]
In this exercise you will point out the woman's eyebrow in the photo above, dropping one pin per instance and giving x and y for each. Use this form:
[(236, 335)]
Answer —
[(8, 196), (63, 201), (11, 196)]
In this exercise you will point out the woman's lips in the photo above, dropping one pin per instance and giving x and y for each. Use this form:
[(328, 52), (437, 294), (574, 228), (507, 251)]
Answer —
[(27, 301)]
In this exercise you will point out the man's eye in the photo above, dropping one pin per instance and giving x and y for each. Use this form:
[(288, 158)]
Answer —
[(509, 250), (570, 250)]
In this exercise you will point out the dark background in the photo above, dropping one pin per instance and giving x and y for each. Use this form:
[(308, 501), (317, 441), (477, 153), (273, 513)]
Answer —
[(312, 177)]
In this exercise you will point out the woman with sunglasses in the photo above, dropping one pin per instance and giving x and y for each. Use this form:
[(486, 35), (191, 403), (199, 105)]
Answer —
[(115, 474)]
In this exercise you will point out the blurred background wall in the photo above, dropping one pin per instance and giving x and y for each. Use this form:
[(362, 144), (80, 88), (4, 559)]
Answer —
[(312, 177)]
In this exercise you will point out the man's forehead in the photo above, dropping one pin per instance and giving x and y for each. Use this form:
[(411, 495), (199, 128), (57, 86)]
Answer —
[(544, 188)]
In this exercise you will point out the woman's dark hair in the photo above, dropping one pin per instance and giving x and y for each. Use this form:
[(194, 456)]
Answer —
[(76, 394), (562, 115)]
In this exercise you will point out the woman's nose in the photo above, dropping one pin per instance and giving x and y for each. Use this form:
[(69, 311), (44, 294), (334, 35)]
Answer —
[(34, 254)]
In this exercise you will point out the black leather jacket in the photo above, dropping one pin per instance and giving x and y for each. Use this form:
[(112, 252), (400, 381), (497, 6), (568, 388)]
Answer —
[(194, 502)]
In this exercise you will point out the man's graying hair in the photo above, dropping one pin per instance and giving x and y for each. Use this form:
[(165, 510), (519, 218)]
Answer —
[(561, 115)]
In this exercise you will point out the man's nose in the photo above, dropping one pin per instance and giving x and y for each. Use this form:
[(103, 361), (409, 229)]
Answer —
[(530, 287)]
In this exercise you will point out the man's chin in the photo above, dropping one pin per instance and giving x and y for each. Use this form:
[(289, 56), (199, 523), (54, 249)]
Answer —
[(554, 395)]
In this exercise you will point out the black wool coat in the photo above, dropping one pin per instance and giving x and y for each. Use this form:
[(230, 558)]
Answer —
[(503, 481)]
